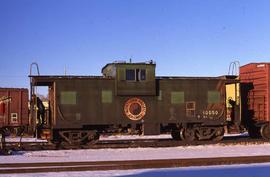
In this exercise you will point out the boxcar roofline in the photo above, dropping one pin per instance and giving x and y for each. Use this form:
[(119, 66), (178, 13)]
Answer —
[(255, 63)]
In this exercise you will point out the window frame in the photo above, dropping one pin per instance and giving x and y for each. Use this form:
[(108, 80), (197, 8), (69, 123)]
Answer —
[(138, 73), (128, 74)]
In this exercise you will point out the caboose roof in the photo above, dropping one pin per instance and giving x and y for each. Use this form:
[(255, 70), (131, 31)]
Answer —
[(44, 80), (128, 64)]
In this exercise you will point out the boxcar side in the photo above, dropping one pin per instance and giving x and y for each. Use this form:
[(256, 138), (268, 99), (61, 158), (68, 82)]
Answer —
[(255, 90), (14, 107)]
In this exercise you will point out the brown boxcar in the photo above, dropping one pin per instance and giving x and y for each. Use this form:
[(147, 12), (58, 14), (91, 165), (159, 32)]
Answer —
[(255, 90), (13, 107), (129, 96)]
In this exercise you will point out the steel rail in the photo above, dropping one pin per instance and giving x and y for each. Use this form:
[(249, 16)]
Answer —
[(103, 144)]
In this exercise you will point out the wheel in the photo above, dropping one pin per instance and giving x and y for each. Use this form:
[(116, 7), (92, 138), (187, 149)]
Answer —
[(2, 140), (219, 134), (187, 134), (20, 131), (175, 134), (204, 133), (265, 131), (93, 140), (254, 132), (78, 137)]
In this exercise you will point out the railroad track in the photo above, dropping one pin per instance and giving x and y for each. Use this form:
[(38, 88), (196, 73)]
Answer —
[(33, 146), (127, 164)]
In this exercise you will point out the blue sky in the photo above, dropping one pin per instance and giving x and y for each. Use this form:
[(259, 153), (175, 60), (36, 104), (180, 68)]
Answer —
[(184, 37)]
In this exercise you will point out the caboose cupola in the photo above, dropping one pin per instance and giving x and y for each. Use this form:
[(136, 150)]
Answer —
[(132, 78)]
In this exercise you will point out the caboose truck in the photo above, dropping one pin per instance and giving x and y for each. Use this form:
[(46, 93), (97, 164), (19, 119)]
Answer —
[(128, 97)]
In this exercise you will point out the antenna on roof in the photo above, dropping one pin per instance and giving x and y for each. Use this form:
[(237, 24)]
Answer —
[(65, 70), (150, 61)]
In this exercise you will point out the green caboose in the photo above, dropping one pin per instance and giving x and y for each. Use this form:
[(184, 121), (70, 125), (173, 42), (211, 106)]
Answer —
[(129, 98)]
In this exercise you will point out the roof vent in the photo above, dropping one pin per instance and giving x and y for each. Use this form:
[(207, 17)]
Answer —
[(119, 61)]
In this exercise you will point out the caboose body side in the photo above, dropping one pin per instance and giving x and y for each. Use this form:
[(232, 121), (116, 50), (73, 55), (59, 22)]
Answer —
[(130, 98)]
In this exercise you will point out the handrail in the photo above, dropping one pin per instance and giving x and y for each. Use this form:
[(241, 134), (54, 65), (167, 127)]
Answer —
[(31, 67), (234, 68)]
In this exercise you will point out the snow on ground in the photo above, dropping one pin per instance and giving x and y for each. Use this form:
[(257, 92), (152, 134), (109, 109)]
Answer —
[(17, 139), (202, 151), (104, 137), (132, 137), (138, 153), (251, 170)]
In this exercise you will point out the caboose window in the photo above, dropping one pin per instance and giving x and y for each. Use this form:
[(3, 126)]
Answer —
[(135, 74), (130, 75), (142, 74)]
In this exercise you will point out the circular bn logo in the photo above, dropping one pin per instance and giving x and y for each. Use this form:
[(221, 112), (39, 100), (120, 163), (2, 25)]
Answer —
[(135, 108)]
